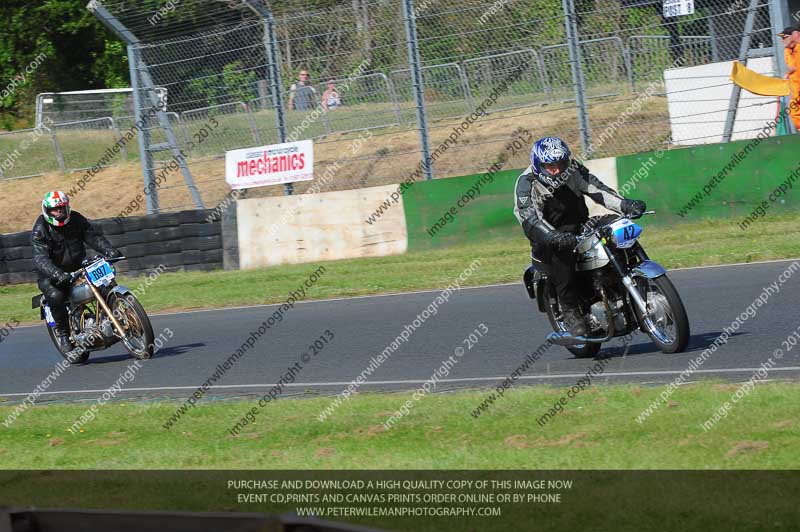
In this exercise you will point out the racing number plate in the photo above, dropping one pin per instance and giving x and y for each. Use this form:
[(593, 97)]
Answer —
[(625, 232), (99, 273)]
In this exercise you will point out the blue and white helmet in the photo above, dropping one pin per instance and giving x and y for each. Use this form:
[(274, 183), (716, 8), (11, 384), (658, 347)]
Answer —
[(550, 160)]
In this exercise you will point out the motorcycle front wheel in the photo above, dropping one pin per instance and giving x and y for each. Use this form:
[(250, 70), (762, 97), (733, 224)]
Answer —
[(139, 337), (666, 322)]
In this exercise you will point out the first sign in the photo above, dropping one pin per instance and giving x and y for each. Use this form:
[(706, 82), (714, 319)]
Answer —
[(270, 165)]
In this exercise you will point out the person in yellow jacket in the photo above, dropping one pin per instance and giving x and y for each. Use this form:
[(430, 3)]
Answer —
[(791, 52)]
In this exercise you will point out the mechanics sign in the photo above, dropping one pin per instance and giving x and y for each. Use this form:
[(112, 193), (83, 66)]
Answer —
[(675, 8), (270, 165)]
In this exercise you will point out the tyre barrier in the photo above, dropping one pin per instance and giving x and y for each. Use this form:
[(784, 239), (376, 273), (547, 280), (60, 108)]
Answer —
[(175, 241)]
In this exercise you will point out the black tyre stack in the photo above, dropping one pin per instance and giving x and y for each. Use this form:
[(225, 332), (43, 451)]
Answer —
[(178, 241), (16, 265)]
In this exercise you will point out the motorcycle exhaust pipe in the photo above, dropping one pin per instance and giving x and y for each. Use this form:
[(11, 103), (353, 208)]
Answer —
[(565, 338)]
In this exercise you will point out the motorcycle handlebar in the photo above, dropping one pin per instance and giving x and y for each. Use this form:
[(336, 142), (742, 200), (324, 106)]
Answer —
[(645, 212), (77, 273), (583, 237)]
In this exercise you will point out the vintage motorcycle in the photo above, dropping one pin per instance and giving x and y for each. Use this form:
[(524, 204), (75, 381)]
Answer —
[(621, 290), (101, 313)]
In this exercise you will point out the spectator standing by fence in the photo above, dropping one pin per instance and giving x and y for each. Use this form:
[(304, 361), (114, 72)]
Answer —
[(301, 93), (331, 98), (791, 40)]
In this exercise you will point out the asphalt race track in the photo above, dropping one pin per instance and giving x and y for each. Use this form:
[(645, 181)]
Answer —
[(363, 327)]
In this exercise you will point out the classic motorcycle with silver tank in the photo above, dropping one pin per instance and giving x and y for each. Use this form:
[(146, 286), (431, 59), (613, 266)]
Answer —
[(621, 290), (101, 313)]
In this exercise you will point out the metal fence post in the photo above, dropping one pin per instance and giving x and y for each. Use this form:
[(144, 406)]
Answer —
[(577, 73), (744, 48), (547, 86), (712, 32), (57, 149), (274, 71), (252, 122), (467, 88), (626, 56), (417, 83), (143, 138), (118, 137), (393, 97)]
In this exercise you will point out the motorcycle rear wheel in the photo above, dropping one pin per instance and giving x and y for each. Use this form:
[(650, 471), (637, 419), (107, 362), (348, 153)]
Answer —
[(74, 359), (555, 316)]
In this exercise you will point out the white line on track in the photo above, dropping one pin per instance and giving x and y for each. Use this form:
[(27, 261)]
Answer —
[(430, 291), (421, 381)]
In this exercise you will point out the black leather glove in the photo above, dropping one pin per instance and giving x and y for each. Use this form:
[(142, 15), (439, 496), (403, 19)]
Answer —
[(563, 241), (62, 279), (113, 254), (633, 208)]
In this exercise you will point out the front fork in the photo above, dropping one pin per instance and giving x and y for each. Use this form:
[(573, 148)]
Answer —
[(102, 302), (627, 278)]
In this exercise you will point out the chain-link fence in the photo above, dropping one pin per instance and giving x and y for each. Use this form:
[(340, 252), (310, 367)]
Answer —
[(610, 76)]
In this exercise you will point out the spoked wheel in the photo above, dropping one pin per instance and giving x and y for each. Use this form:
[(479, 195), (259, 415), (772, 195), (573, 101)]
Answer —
[(138, 339), (556, 318), (666, 322)]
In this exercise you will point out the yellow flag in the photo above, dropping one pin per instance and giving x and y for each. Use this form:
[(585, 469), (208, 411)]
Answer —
[(758, 84)]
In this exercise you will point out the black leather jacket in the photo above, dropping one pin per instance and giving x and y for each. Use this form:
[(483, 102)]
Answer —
[(541, 211), (61, 249)]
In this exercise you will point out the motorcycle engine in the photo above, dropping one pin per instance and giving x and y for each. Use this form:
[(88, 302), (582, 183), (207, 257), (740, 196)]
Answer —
[(89, 335), (107, 328), (94, 334), (597, 316)]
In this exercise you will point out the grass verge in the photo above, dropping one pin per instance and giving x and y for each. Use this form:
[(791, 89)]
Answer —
[(597, 429), (502, 260)]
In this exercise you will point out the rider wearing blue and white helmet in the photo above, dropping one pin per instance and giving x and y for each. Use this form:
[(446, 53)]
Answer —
[(550, 205)]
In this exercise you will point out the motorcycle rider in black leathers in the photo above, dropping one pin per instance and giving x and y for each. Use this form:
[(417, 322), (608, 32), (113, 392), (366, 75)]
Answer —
[(550, 205), (58, 239)]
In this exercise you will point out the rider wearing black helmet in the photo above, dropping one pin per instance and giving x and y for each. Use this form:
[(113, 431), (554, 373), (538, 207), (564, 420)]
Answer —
[(58, 239), (550, 205)]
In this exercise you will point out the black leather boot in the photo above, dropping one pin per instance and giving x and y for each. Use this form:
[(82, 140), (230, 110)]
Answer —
[(65, 344)]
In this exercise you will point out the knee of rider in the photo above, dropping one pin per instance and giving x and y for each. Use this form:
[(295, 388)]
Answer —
[(55, 297), (59, 296)]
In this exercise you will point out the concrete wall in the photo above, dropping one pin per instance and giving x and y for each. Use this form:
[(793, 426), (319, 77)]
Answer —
[(314, 227)]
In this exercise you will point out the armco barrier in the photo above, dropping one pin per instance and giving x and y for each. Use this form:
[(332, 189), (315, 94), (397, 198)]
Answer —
[(178, 241), (680, 174)]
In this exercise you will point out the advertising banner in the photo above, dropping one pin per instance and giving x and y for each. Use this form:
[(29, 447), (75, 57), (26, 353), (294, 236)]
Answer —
[(270, 165)]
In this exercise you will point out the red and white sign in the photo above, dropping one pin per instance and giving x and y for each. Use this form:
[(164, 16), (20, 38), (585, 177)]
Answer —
[(270, 165)]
